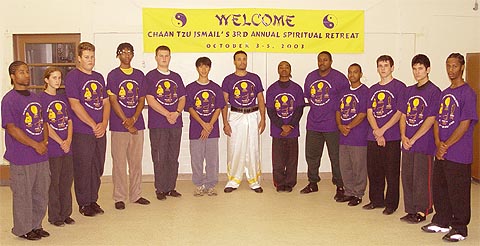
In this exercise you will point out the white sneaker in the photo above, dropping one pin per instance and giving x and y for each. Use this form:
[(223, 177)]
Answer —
[(432, 228), (211, 192), (199, 191), (454, 236)]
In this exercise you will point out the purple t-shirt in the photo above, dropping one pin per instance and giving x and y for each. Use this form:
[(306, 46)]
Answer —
[(204, 99), (242, 90), (57, 111), (323, 95), (457, 105), (385, 100), (90, 90), (353, 102), (26, 113), (128, 89), (167, 90), (285, 101), (418, 104)]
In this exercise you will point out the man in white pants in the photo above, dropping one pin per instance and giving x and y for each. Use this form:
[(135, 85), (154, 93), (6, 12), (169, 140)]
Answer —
[(244, 92)]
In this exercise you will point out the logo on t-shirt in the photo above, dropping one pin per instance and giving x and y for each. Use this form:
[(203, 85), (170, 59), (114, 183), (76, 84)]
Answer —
[(319, 92), (284, 105), (416, 106), (348, 107), (382, 103), (32, 117), (244, 92), (166, 92), (128, 93), (57, 115), (205, 102), (446, 113), (93, 94)]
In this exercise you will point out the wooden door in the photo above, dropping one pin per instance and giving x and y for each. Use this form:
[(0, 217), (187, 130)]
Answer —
[(473, 78)]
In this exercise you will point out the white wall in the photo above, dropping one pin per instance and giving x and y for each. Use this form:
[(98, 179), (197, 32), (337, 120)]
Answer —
[(400, 28)]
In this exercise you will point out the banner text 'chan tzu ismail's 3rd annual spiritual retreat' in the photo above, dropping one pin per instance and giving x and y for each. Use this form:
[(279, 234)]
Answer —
[(254, 30)]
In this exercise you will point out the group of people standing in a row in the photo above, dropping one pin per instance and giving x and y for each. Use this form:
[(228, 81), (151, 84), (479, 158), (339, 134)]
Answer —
[(53, 139)]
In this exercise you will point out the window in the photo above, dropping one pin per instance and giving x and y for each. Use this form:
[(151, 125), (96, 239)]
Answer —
[(40, 51)]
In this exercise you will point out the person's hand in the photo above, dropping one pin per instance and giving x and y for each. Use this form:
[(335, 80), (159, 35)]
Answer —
[(261, 126), (172, 117), (100, 129), (133, 130), (441, 151), (204, 134), (227, 129), (344, 129), (381, 141), (129, 122), (65, 145), (378, 132), (406, 143), (286, 130), (207, 126), (41, 147)]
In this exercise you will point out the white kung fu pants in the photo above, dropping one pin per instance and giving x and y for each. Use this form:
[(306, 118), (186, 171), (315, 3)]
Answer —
[(243, 153)]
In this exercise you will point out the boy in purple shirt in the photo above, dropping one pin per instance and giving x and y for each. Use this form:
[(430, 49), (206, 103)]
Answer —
[(285, 108), (353, 129), (418, 109), (88, 99), (60, 131), (166, 100), (453, 132), (383, 148), (204, 103), (26, 139), (322, 89), (126, 92)]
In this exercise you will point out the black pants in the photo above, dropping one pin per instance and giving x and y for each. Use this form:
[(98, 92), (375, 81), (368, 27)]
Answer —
[(314, 143), (60, 192), (165, 148), (88, 163), (451, 194), (383, 163), (417, 171), (285, 161)]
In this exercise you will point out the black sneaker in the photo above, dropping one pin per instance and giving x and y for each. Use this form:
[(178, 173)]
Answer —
[(258, 190), (69, 221), (229, 189), (97, 208), (87, 211), (407, 217), (339, 194), (345, 199), (280, 188), (120, 205), (311, 187), (173, 193), (417, 218), (31, 236), (355, 201), (58, 223), (161, 196), (454, 236), (142, 201), (288, 189), (41, 232)]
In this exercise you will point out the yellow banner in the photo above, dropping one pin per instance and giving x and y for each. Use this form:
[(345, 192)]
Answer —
[(254, 30)]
